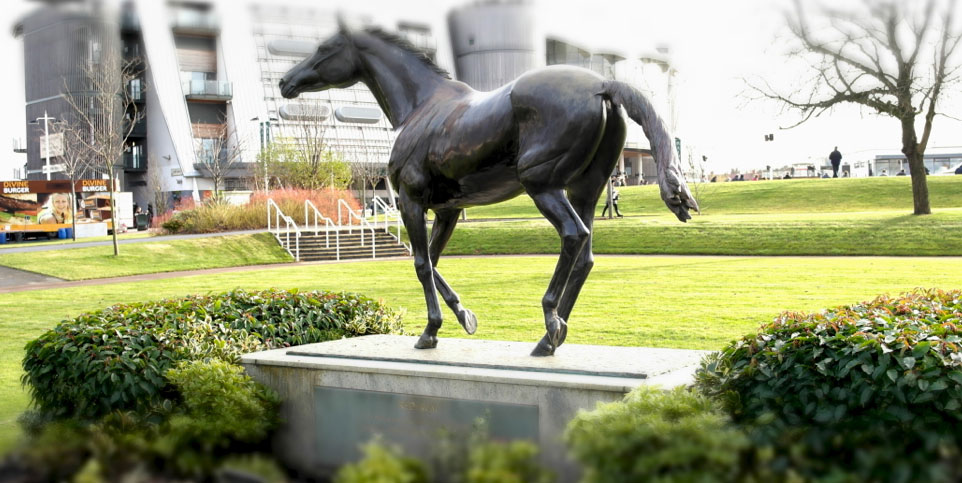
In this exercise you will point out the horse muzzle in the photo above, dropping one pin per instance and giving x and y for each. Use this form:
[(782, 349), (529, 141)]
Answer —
[(288, 91)]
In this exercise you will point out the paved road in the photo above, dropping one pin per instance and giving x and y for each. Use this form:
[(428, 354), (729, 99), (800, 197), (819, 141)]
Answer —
[(58, 246), (13, 280)]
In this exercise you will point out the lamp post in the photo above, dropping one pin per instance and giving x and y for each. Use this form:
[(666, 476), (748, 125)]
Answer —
[(46, 135)]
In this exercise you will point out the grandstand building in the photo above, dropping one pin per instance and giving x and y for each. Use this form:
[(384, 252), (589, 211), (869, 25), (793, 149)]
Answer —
[(210, 67)]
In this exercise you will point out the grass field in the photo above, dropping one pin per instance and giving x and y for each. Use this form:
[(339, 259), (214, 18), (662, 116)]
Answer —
[(151, 257), (852, 233), (683, 302), (779, 196)]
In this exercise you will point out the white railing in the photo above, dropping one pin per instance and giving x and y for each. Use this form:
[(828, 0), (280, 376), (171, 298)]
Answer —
[(363, 224), (329, 226), (284, 227), (274, 218), (390, 217)]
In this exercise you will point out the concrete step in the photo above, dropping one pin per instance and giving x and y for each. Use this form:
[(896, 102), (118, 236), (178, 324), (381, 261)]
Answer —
[(315, 247)]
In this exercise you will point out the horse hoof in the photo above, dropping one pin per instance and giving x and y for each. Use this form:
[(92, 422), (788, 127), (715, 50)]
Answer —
[(557, 331), (544, 348), (468, 320), (426, 342)]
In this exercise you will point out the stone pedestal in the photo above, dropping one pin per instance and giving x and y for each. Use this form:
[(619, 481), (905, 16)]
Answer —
[(338, 394)]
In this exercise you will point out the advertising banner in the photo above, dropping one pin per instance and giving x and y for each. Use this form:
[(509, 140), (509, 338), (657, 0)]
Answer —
[(35, 206)]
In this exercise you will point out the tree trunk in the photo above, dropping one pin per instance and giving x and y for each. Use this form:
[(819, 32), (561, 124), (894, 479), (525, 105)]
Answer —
[(113, 210), (73, 208), (910, 148)]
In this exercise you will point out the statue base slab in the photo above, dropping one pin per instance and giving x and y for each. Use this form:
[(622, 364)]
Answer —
[(337, 395)]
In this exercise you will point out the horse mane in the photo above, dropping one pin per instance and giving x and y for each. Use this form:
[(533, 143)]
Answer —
[(407, 46)]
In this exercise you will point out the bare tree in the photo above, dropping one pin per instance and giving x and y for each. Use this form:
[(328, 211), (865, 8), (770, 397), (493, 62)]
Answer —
[(155, 186), (304, 160), (368, 173), (105, 109), (219, 151), (74, 161), (894, 57), (698, 177)]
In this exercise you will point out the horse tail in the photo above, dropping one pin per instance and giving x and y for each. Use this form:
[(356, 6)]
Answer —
[(674, 190), (641, 111)]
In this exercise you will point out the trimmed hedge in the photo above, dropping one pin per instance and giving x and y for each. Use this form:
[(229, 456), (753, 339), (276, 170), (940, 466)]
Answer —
[(658, 436), (867, 392), (116, 359)]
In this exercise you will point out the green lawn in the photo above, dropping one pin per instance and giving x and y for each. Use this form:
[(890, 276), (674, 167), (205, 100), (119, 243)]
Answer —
[(849, 233), (779, 196), (151, 257), (123, 236), (658, 301)]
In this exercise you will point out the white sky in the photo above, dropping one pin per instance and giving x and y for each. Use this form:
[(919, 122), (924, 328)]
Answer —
[(715, 45)]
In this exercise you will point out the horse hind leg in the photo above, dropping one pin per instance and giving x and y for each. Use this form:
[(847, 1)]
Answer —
[(444, 223), (583, 193), (574, 234)]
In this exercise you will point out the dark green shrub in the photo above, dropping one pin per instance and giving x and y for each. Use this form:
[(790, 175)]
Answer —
[(455, 458), (221, 411), (383, 464), (173, 225), (115, 359), (512, 462), (868, 392), (655, 435)]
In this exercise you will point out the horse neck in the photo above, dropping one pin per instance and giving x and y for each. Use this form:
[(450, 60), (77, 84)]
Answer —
[(399, 81)]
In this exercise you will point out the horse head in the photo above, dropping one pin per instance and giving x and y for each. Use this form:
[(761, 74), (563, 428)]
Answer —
[(335, 64)]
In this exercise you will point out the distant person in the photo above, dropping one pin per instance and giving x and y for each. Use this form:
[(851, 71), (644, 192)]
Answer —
[(836, 159), (884, 172), (56, 210), (614, 201), (787, 176), (825, 175), (900, 173)]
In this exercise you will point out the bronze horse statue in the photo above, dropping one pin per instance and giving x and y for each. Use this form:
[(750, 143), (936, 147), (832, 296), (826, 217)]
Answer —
[(555, 133)]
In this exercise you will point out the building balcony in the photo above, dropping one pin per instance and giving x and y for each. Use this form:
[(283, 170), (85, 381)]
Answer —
[(140, 129), (200, 90), (192, 21), (135, 162), (135, 89)]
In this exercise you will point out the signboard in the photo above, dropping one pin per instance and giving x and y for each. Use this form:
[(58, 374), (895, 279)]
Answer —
[(34, 206), (53, 168), (56, 145), (348, 418)]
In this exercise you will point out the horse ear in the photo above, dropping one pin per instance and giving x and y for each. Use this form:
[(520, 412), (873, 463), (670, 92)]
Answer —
[(342, 24)]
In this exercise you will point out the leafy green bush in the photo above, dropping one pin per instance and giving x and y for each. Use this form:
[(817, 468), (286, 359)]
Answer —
[(455, 458), (512, 462), (656, 435), (383, 464), (868, 392), (116, 359), (221, 411)]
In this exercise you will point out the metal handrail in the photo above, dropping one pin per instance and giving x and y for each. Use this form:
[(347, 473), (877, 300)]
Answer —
[(390, 214), (328, 227), (289, 223), (362, 224)]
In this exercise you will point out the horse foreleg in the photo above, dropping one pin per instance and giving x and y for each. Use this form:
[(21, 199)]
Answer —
[(412, 214), (574, 235), (444, 223)]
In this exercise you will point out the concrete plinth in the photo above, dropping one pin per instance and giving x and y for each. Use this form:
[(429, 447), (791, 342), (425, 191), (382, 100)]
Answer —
[(338, 394)]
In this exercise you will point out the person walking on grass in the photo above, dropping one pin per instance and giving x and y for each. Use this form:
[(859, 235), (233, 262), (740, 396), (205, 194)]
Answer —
[(614, 201), (836, 159)]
